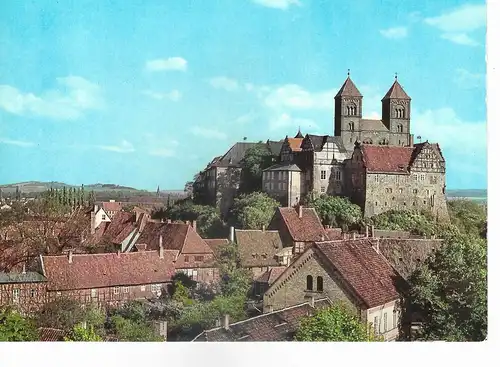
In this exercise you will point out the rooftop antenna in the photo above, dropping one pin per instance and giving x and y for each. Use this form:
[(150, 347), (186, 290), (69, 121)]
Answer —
[(396, 76), (348, 72)]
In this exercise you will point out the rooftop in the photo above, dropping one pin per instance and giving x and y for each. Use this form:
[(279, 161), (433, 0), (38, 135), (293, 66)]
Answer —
[(308, 228), (257, 247)]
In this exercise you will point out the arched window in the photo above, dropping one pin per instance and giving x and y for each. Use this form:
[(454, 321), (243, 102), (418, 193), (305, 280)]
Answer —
[(400, 128), (319, 284), (351, 126), (309, 283)]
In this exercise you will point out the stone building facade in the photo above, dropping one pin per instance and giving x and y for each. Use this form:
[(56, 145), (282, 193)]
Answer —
[(351, 272), (26, 291), (398, 178)]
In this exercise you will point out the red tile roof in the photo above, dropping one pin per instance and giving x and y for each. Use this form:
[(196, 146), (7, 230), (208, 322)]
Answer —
[(121, 226), (369, 274), (111, 206), (379, 158), (334, 233), (305, 229), (396, 91), (348, 89), (295, 144), (175, 236), (216, 243), (107, 270), (258, 248), (271, 275)]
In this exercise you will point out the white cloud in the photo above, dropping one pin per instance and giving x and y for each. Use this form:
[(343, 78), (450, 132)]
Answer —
[(169, 64), (245, 119), (123, 147), (284, 121), (458, 22), (460, 38), (173, 95), (463, 142), (222, 82), (295, 97), (74, 97), (468, 80), (19, 143), (208, 133), (394, 33), (277, 4)]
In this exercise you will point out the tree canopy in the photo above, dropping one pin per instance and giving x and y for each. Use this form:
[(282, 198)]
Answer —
[(252, 211), (336, 323), (336, 211), (81, 334), (14, 327), (449, 291), (257, 158)]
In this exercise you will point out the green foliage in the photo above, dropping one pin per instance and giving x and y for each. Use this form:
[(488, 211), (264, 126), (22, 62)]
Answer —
[(208, 221), (65, 313), (133, 310), (252, 211), (181, 294), (130, 330), (416, 222), (468, 215), (235, 280), (14, 327), (257, 158), (450, 291), (336, 323), (81, 334), (184, 279), (336, 211)]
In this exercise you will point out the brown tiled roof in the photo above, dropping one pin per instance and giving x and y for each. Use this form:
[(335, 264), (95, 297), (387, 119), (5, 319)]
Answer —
[(271, 275), (46, 334), (216, 243), (334, 233), (378, 158), (348, 89), (279, 325), (108, 269), (111, 206), (396, 91), (295, 144), (305, 229), (175, 236), (369, 274), (258, 248), (121, 226)]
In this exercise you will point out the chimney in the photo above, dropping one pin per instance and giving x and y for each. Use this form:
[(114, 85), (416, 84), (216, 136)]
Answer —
[(373, 230), (92, 222), (411, 140), (96, 208), (344, 235), (141, 247), (194, 225), (187, 222), (377, 247), (353, 235), (366, 232), (322, 237), (226, 322), (263, 228), (300, 211), (24, 268), (118, 253), (161, 246), (169, 221), (70, 256), (231, 234)]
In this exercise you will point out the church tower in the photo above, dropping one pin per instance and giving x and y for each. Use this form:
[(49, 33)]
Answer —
[(348, 112), (396, 109)]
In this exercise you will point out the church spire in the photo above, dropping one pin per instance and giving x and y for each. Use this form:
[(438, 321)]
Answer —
[(348, 89), (299, 134), (396, 91)]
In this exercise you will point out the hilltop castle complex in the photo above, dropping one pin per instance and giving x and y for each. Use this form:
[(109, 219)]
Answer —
[(375, 163)]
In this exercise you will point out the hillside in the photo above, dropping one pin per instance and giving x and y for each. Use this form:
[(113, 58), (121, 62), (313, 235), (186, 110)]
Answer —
[(37, 186), (467, 193)]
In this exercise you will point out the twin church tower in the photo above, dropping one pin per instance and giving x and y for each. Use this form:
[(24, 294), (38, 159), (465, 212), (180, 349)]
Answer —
[(392, 129)]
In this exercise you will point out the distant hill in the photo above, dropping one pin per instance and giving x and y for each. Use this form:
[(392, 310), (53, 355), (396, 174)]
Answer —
[(37, 186), (467, 193)]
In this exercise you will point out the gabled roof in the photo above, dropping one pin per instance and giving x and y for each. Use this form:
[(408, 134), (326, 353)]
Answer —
[(28, 277), (295, 144), (373, 125), (271, 275), (396, 91), (258, 248), (279, 325), (175, 236), (384, 158), (348, 89), (274, 147), (235, 154), (432, 146), (284, 167), (305, 229), (108, 269), (299, 134), (319, 141), (111, 206), (216, 243), (120, 227), (368, 273)]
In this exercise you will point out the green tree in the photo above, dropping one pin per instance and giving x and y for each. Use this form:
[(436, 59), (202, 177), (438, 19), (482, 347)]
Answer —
[(234, 279), (252, 211), (416, 222), (14, 327), (468, 215), (256, 159), (336, 323), (81, 334), (449, 291), (336, 211), (129, 330)]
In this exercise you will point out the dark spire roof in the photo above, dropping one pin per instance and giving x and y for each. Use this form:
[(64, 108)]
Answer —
[(299, 135), (396, 91), (348, 89)]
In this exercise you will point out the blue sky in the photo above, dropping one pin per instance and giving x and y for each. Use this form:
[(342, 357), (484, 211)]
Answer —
[(145, 93)]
